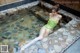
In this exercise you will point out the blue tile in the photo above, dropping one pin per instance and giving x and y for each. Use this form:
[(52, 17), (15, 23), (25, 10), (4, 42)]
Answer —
[(40, 50)]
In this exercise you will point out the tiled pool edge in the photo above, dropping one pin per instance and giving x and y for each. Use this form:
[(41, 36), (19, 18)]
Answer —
[(14, 4)]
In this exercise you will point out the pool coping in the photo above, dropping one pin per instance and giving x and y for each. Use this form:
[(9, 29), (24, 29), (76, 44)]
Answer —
[(15, 4), (28, 5)]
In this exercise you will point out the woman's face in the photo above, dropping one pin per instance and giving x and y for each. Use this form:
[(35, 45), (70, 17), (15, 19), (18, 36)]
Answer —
[(54, 12)]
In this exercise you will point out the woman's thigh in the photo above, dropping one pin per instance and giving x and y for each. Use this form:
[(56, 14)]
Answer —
[(44, 31)]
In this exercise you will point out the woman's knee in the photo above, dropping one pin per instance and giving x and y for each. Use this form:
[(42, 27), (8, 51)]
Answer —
[(40, 37)]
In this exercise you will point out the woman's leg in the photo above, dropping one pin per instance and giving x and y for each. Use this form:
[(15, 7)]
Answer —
[(43, 33)]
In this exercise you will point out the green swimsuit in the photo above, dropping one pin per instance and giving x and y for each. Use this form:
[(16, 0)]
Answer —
[(51, 23)]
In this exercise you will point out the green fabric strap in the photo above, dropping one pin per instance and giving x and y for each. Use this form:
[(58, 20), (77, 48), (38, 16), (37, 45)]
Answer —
[(51, 24)]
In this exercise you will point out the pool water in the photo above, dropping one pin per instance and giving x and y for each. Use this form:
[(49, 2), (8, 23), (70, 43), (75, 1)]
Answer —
[(20, 27)]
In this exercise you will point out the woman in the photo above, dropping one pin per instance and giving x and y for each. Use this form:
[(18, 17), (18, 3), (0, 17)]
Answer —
[(52, 22), (54, 18)]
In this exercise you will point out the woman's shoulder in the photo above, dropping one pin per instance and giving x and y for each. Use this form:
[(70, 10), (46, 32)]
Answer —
[(59, 15)]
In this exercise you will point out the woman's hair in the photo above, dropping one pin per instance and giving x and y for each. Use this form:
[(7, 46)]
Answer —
[(56, 7)]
